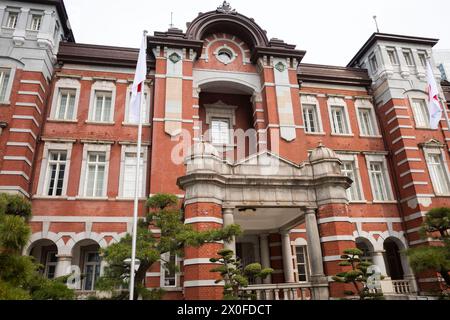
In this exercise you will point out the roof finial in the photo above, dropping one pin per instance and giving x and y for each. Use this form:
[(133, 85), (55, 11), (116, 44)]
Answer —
[(376, 23), (226, 8)]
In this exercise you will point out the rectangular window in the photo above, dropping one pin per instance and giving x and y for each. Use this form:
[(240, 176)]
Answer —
[(91, 270), (66, 104), (348, 169), (378, 179), (96, 167), (102, 106), (339, 120), (145, 115), (367, 122), (438, 173), (55, 172), (408, 57), (423, 58), (392, 53), (36, 22), (373, 63), (310, 118), (169, 273), (50, 264), (129, 175), (421, 114), (302, 263), (4, 82), (11, 22), (220, 131)]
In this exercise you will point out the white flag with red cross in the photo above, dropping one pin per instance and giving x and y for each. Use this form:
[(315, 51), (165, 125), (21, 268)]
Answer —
[(137, 90), (434, 105)]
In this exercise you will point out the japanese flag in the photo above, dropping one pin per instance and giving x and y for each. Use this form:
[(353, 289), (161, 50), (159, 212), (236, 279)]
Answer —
[(137, 91), (434, 106)]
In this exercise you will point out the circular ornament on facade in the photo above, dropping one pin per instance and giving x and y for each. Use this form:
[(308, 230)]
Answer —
[(174, 57), (225, 55), (280, 66)]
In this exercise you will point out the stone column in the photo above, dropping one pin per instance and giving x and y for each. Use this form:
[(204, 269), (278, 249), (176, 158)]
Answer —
[(63, 266), (408, 273), (265, 255), (228, 219), (19, 32), (378, 259), (287, 257), (46, 32), (318, 279)]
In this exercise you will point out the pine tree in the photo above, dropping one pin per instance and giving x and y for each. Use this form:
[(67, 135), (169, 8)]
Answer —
[(174, 235)]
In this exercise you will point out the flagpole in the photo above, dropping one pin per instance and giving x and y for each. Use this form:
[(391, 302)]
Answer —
[(136, 191)]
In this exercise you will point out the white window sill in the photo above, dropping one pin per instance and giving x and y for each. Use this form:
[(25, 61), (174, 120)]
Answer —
[(62, 120), (370, 137), (43, 197), (343, 134), (384, 202), (442, 195), (101, 123), (31, 30), (358, 202), (130, 124), (130, 199), (91, 198), (172, 289), (8, 28), (315, 133), (5, 102), (425, 128)]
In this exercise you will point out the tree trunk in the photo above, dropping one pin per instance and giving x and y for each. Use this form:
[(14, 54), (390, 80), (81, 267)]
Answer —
[(140, 277)]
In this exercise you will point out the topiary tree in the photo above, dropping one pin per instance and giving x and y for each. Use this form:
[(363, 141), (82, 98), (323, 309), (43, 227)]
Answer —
[(357, 276), (234, 276), (434, 258), (19, 275), (165, 215)]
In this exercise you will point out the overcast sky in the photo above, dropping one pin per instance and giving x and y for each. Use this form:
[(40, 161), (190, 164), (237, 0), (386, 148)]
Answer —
[(331, 31)]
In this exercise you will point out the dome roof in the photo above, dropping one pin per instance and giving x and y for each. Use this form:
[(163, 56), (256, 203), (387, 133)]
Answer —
[(204, 148), (321, 153)]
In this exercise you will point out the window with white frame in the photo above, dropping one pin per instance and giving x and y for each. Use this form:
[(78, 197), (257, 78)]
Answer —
[(407, 53), (220, 131), (102, 102), (146, 111), (129, 173), (4, 83), (102, 108), (95, 174), (91, 270), (422, 57), (349, 169), (11, 21), (57, 164), (168, 270), (438, 172), (339, 121), (366, 118), (393, 58), (50, 264), (373, 63), (310, 118), (36, 20), (421, 114), (379, 179), (65, 100), (302, 263), (65, 109)]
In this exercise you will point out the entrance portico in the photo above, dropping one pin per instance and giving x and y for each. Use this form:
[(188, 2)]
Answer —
[(265, 195)]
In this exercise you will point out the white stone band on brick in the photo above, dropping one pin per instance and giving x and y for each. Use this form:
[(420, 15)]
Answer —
[(190, 262), (202, 283), (203, 219), (337, 238)]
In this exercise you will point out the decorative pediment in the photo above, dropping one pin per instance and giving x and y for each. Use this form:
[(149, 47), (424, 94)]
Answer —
[(432, 143)]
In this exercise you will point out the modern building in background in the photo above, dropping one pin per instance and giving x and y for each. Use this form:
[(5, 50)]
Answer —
[(335, 157), (442, 58)]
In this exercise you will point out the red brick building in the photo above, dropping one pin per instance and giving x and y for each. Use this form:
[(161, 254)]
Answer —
[(308, 159)]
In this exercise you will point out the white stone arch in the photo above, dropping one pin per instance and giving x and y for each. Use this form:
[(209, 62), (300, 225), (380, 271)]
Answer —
[(207, 48), (98, 238), (397, 236), (300, 242), (368, 237), (250, 82), (35, 237)]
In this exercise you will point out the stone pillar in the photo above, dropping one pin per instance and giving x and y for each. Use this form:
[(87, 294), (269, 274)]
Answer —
[(199, 282), (19, 32), (63, 266), (318, 279), (287, 257), (228, 219), (408, 273), (378, 259), (265, 255), (46, 32)]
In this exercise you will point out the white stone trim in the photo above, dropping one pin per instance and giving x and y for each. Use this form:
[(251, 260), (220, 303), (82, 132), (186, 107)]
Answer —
[(203, 219), (153, 274), (337, 238), (411, 171), (333, 219), (416, 215), (395, 108), (331, 258), (339, 102), (202, 283), (403, 138), (91, 147), (396, 117), (20, 144), (9, 189), (133, 149), (31, 93), (400, 127), (408, 160), (33, 82), (61, 84), (28, 104), (19, 130), (312, 100), (367, 104), (190, 262), (354, 158), (386, 174), (427, 150), (15, 173), (21, 117), (14, 158), (415, 183), (102, 85), (12, 74), (405, 149)]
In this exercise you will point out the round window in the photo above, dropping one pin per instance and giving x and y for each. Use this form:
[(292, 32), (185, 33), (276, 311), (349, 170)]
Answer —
[(225, 56)]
